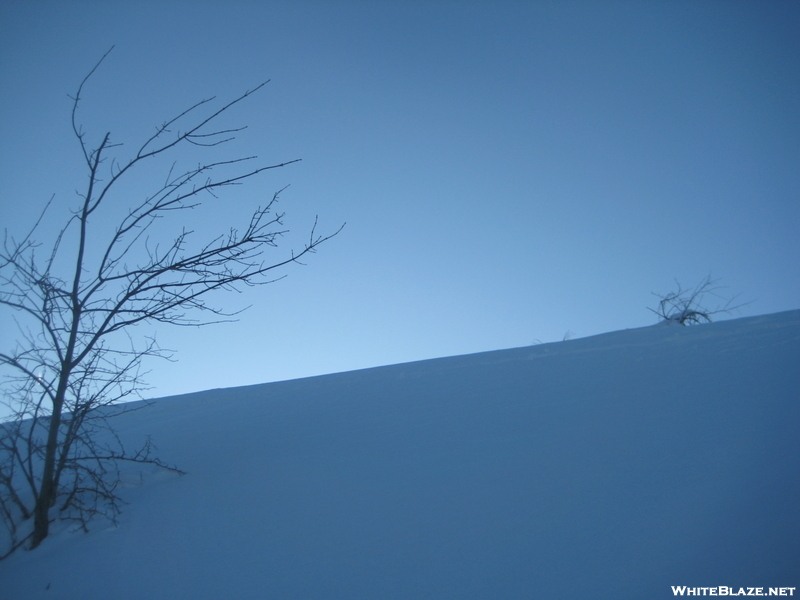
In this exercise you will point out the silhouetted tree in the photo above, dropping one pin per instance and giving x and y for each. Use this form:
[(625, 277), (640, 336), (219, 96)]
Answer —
[(77, 302)]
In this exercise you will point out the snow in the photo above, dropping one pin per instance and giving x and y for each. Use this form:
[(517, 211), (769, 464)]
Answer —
[(613, 466)]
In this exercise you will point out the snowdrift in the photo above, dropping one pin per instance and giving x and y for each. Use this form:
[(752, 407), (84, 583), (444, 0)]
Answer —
[(614, 466)]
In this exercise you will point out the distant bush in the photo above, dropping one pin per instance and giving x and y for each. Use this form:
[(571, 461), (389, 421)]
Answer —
[(691, 306)]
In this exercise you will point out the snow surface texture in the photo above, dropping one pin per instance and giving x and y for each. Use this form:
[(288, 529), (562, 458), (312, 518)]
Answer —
[(613, 466)]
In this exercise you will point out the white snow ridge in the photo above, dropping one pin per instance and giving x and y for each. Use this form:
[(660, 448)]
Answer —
[(614, 466)]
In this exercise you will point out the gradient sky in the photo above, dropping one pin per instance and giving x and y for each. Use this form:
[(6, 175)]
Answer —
[(509, 171)]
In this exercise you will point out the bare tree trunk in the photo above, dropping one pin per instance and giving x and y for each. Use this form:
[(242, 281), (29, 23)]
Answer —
[(47, 491)]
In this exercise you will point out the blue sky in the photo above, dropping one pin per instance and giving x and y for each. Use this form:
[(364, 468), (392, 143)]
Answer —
[(508, 171)]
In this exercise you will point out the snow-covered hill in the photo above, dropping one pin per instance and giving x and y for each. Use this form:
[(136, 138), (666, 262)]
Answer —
[(614, 466)]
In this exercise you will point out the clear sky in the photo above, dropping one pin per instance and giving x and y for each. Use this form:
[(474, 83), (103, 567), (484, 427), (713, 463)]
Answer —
[(509, 171)]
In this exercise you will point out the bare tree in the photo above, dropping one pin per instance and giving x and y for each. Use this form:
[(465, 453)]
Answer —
[(690, 306), (76, 306)]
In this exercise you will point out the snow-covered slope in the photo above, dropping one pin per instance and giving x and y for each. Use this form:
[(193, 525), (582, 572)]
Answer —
[(614, 466)]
